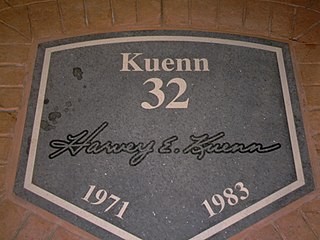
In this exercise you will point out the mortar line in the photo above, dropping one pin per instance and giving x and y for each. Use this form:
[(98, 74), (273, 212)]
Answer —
[(113, 21), (277, 229), (244, 12), (313, 109), (7, 8), (22, 225), (310, 85), (33, 3), (28, 4), (15, 29), (217, 14), (6, 2), (85, 13), (161, 13), (3, 163), (309, 63), (311, 2), (30, 25), (4, 9), (7, 110), (272, 226), (11, 86), (304, 217), (189, 12), (294, 21), (136, 6), (270, 20), (10, 113), (54, 229), (291, 5), (6, 135), (6, 64), (43, 1), (2, 197), (16, 43), (315, 134), (305, 32), (61, 17)]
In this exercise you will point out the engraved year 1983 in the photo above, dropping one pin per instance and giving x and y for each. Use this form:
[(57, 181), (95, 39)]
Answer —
[(101, 196), (228, 195)]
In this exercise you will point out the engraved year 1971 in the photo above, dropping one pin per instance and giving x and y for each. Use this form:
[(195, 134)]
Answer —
[(101, 197)]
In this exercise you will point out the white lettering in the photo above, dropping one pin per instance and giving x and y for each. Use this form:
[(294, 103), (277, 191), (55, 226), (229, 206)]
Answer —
[(205, 65), (166, 63), (130, 63), (133, 64), (187, 64), (155, 65)]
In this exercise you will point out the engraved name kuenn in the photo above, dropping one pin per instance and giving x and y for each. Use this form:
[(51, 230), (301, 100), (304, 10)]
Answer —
[(132, 62), (199, 146)]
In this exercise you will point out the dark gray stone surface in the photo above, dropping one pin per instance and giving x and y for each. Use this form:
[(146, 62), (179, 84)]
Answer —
[(240, 96)]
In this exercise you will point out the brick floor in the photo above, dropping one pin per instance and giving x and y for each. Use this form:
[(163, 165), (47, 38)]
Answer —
[(35, 227), (24, 23), (62, 234), (12, 219)]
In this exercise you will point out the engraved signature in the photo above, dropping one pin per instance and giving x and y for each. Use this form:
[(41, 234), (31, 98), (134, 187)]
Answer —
[(199, 146), (85, 141)]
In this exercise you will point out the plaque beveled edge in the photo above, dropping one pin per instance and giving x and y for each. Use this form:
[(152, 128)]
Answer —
[(212, 230)]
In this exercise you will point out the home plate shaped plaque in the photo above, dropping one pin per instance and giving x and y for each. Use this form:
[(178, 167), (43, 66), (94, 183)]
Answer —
[(163, 134)]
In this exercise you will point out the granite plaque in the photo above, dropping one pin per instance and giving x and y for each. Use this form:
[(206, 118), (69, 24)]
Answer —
[(163, 134)]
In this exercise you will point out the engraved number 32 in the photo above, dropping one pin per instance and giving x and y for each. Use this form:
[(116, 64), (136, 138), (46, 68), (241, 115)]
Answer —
[(161, 96)]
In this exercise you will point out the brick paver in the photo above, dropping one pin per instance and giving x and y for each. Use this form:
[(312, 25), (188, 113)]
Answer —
[(304, 19), (266, 233), (99, 14), (74, 16), (124, 12), (149, 12), (307, 53), (176, 13), (35, 228), (11, 76), (311, 214), (10, 97), (17, 20), (312, 36), (313, 96), (12, 218), (62, 234), (45, 19), (282, 21), (24, 23), (204, 13), (294, 227), (7, 122), (310, 73), (4, 148), (231, 13), (257, 17), (13, 54)]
